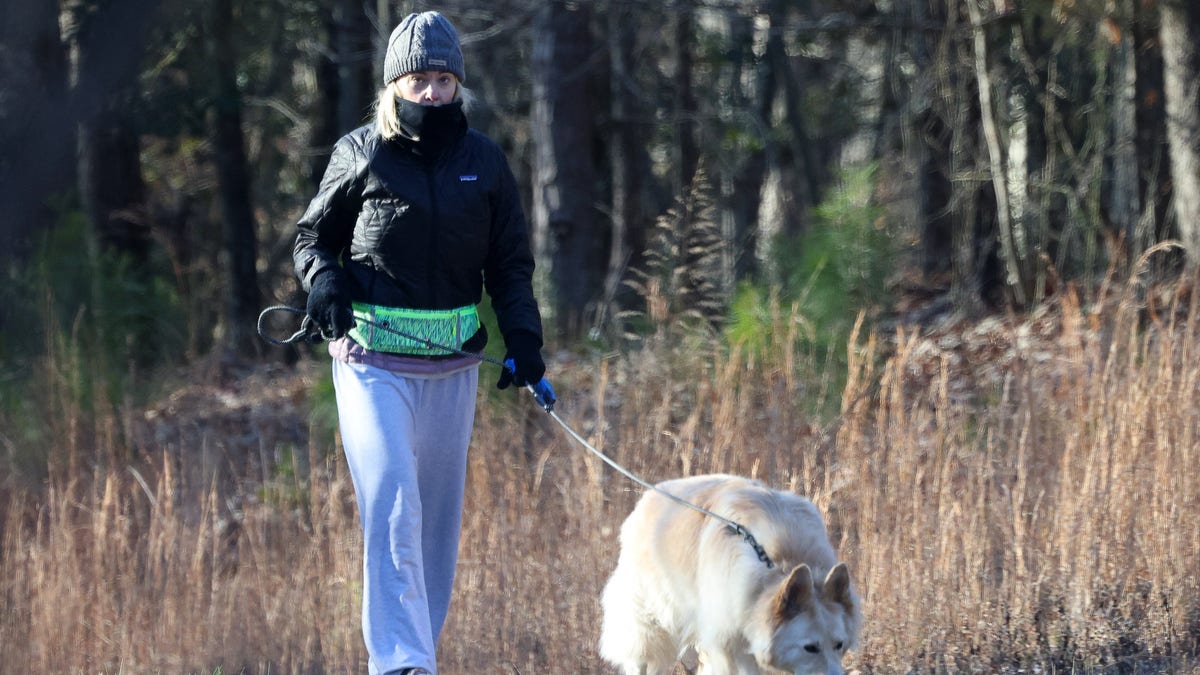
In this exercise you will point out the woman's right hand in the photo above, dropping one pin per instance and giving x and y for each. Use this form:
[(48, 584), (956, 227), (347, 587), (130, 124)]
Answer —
[(329, 304), (525, 353)]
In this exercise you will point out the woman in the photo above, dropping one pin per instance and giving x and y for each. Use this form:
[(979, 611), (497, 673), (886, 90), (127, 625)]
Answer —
[(416, 215)]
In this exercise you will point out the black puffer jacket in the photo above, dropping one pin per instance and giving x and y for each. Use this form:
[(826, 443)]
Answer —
[(423, 234)]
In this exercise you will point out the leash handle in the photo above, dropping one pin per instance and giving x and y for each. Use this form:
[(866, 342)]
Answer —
[(308, 330)]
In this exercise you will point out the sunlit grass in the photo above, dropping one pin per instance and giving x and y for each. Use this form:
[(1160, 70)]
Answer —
[(1045, 517)]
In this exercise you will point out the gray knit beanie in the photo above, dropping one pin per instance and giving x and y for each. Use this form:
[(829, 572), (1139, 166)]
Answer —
[(425, 41)]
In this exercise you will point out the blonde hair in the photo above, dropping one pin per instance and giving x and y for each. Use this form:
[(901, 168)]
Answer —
[(387, 118)]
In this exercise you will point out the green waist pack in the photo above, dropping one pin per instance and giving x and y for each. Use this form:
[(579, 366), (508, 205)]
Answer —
[(449, 327)]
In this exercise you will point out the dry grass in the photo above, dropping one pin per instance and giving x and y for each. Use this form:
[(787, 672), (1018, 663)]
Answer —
[(1013, 495)]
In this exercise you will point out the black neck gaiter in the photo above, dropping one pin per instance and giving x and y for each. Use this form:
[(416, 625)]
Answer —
[(431, 129)]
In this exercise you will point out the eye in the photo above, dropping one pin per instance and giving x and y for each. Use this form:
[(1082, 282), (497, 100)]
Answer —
[(812, 649), (838, 646)]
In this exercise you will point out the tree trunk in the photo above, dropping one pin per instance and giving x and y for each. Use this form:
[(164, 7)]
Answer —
[(1154, 176), (936, 199), (1181, 73), (975, 277), (630, 171), (1047, 218), (355, 66), (684, 104), (1014, 240), (112, 186), (564, 174), (233, 180), (385, 22), (928, 147), (799, 174), (325, 127), (1123, 202), (346, 84), (745, 198), (107, 50), (37, 135)]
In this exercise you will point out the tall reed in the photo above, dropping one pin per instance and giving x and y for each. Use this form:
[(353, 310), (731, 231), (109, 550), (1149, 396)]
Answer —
[(1018, 494)]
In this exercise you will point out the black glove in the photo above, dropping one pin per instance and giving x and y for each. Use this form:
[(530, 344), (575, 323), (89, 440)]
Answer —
[(329, 304), (525, 353)]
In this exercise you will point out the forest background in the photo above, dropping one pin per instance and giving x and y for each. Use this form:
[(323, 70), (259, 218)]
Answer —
[(928, 262)]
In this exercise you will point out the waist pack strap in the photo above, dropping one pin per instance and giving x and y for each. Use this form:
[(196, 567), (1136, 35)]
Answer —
[(450, 327)]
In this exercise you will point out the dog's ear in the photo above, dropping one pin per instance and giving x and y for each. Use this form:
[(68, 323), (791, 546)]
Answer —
[(837, 587), (795, 595)]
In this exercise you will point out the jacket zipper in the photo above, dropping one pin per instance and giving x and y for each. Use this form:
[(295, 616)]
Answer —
[(430, 172)]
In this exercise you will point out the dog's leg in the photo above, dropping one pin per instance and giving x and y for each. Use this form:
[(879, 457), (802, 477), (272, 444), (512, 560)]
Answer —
[(721, 662), (746, 664), (635, 669), (711, 664), (630, 636)]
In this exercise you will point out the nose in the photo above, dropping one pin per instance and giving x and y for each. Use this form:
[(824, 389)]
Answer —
[(431, 94)]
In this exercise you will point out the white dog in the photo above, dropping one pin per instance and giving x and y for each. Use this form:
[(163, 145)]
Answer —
[(686, 580)]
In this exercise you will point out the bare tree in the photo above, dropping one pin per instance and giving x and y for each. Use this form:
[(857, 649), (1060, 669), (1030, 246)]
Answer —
[(1181, 69), (107, 41), (1003, 121), (564, 197), (1123, 202), (929, 144), (1150, 116), (344, 64), (37, 135), (233, 177), (629, 161), (685, 153), (1134, 206)]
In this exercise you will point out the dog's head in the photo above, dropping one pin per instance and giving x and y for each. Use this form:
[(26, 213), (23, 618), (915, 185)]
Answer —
[(813, 622)]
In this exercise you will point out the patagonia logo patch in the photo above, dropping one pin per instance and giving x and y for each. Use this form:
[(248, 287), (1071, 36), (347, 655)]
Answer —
[(468, 178)]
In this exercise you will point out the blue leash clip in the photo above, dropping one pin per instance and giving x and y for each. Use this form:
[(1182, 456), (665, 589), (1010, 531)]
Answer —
[(543, 393)]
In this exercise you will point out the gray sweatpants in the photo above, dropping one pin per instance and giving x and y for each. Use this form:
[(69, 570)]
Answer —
[(406, 442)]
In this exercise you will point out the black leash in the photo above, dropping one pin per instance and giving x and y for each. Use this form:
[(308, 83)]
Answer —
[(542, 392)]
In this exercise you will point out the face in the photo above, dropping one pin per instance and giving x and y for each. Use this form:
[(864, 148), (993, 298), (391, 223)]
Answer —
[(813, 625), (812, 643), (429, 87)]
